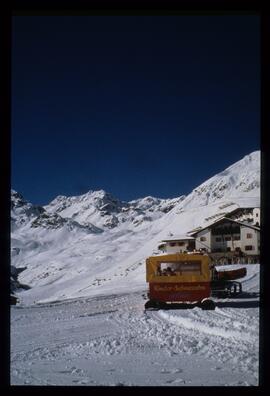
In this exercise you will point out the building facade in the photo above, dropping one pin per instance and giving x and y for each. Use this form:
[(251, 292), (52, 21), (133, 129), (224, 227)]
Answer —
[(177, 244), (236, 233), (227, 235)]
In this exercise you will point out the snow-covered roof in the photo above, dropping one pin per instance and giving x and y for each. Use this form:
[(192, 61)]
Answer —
[(177, 238), (242, 208), (227, 219)]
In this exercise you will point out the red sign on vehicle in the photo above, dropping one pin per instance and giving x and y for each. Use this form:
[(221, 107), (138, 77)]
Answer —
[(184, 291)]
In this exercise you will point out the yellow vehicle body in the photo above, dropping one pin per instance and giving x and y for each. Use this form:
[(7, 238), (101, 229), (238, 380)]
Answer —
[(188, 279)]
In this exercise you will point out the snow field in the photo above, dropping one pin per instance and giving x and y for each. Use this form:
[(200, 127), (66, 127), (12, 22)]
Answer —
[(110, 340)]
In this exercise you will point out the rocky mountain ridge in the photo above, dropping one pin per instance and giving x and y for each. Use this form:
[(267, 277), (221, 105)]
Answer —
[(106, 211)]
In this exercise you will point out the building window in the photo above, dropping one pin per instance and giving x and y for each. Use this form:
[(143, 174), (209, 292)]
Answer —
[(172, 244), (257, 215), (161, 247), (249, 247), (225, 228), (218, 239), (228, 238), (249, 236), (181, 243), (236, 238), (202, 239)]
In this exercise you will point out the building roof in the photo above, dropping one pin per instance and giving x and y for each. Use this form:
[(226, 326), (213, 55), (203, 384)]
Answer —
[(226, 219), (241, 209), (178, 238)]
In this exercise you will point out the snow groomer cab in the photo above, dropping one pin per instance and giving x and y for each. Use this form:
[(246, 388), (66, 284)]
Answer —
[(178, 278)]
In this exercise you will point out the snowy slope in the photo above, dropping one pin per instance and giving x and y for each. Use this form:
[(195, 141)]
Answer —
[(94, 243), (239, 181)]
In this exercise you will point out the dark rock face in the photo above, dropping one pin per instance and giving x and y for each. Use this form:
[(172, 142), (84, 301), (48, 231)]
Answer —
[(15, 285), (50, 221)]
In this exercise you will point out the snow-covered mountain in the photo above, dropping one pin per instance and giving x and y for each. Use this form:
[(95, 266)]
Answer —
[(22, 212), (95, 243), (240, 180), (100, 207)]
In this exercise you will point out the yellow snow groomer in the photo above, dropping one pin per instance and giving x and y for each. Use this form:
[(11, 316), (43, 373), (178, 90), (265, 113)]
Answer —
[(179, 278)]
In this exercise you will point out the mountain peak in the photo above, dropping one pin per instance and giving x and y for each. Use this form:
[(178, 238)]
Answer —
[(238, 180)]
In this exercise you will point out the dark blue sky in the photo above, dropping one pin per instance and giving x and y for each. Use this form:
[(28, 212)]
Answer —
[(133, 105)]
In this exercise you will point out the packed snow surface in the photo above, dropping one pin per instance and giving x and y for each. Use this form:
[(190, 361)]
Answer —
[(110, 340)]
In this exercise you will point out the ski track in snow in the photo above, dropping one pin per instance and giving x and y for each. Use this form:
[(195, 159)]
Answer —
[(111, 340)]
